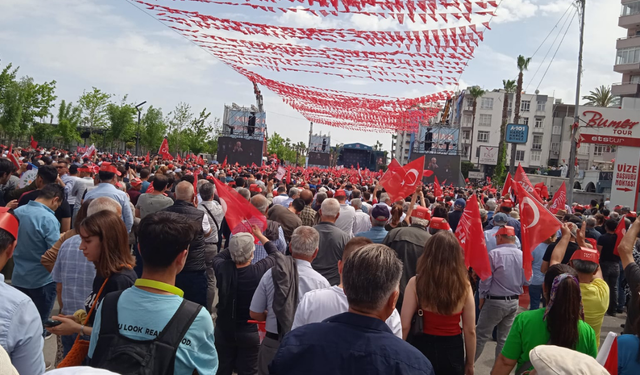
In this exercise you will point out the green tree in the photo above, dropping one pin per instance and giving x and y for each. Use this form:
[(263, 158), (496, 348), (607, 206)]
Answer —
[(281, 147), (68, 121), (23, 102), (523, 64), (121, 120), (43, 131), (378, 146), (177, 121), (198, 135), (601, 97), (509, 86), (154, 128), (475, 92), (7, 77), (94, 109)]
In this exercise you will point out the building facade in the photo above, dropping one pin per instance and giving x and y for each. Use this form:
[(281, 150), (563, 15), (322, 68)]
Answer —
[(628, 51), (535, 110)]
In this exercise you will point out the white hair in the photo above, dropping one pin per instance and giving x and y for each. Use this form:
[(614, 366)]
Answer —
[(421, 222), (304, 241), (384, 197), (104, 204), (330, 207), (184, 191)]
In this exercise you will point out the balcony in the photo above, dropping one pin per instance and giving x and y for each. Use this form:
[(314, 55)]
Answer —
[(625, 89), (627, 68), (628, 42), (629, 22)]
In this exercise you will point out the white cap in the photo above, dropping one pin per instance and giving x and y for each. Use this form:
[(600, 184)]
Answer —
[(80, 370), (556, 360)]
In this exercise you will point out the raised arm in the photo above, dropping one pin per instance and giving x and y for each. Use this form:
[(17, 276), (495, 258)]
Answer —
[(561, 247), (625, 248)]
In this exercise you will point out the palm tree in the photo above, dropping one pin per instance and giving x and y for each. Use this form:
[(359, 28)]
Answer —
[(475, 92), (523, 64), (601, 97), (509, 88)]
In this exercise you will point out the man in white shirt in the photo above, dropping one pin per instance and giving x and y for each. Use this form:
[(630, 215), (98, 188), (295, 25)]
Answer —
[(80, 186), (362, 222), (318, 305), (347, 216), (304, 248), (499, 220)]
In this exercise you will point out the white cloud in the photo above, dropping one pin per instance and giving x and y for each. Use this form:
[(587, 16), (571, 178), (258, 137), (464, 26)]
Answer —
[(514, 10)]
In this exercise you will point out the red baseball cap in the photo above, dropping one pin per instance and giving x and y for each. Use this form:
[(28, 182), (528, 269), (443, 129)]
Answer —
[(421, 213), (8, 222), (632, 214), (256, 188), (136, 182), (108, 167), (505, 231), (588, 255), (439, 223), (506, 203), (340, 193)]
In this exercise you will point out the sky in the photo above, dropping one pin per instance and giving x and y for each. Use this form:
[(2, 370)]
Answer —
[(123, 50)]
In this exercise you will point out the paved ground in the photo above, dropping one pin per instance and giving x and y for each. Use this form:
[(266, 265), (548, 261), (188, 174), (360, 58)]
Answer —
[(483, 366)]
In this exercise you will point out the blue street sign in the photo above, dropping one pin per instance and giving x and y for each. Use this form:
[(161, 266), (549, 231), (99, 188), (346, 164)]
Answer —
[(517, 133)]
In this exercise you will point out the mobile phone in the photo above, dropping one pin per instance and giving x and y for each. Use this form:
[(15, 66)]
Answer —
[(52, 323)]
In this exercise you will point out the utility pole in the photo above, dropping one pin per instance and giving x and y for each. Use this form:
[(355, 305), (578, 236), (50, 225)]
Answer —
[(310, 134), (576, 115), (138, 128)]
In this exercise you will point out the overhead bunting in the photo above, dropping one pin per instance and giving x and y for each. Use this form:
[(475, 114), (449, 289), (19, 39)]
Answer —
[(404, 54)]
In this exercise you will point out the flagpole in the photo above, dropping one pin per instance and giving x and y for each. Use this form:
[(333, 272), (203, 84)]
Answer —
[(576, 115)]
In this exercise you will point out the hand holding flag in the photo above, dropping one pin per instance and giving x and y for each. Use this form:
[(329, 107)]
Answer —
[(471, 237)]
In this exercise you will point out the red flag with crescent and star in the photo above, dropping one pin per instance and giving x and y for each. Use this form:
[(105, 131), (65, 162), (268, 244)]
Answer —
[(241, 214), (537, 224), (400, 182), (559, 199), (471, 237), (507, 186)]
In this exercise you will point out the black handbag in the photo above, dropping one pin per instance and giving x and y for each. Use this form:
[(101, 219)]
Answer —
[(417, 326)]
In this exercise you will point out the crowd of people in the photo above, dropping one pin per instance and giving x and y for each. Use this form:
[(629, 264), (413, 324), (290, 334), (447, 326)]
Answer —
[(147, 273)]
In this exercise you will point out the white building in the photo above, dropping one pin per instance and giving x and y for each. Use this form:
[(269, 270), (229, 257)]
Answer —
[(401, 146), (535, 110)]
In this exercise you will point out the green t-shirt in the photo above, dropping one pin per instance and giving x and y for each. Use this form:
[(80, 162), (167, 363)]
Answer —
[(530, 330)]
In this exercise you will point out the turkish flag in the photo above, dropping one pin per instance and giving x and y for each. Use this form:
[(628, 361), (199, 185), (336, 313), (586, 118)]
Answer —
[(471, 237), (559, 199), (611, 363), (399, 181), (288, 175), (147, 158), (537, 224), (427, 173), (621, 230), (34, 144), (507, 186), (437, 190), (224, 163), (522, 180), (164, 150), (240, 214)]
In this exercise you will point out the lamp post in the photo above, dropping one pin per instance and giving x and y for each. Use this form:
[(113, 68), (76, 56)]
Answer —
[(138, 128)]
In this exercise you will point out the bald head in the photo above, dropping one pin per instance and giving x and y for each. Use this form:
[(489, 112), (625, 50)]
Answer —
[(260, 202), (104, 204), (307, 196), (184, 191)]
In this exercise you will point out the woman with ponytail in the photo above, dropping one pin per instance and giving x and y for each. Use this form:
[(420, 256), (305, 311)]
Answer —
[(561, 323)]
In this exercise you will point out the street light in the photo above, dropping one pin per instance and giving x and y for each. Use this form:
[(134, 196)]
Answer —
[(138, 128)]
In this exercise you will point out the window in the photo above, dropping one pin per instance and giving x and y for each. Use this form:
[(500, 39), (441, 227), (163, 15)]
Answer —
[(525, 120), (485, 120), (539, 123), (466, 151), (466, 135), (628, 56), (467, 120), (486, 103), (555, 146), (541, 106), (469, 103), (634, 79), (483, 136), (525, 106), (557, 130), (630, 9), (519, 155), (535, 155), (598, 150), (584, 149), (537, 142), (510, 104)]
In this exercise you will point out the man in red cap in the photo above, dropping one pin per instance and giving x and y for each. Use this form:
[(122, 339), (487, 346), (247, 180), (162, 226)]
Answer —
[(134, 191), (107, 188), (595, 291), (499, 292), (408, 243)]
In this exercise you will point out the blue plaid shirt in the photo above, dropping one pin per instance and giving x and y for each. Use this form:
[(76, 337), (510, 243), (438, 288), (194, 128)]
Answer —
[(75, 273), (260, 253)]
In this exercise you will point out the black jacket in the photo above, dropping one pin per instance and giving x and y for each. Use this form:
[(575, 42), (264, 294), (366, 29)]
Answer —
[(196, 258)]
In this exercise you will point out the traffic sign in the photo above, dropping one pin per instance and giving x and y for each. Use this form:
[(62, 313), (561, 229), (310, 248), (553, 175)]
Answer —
[(517, 133)]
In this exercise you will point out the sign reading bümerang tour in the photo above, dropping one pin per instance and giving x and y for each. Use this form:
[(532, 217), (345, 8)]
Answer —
[(616, 127)]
